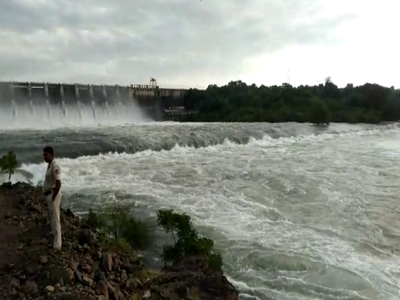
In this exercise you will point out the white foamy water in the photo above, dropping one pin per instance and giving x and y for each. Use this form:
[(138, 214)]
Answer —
[(50, 116), (306, 217)]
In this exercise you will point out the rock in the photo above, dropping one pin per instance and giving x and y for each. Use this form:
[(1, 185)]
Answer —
[(70, 274), (6, 185), (85, 236), (99, 275), (124, 276), (36, 207), (147, 294), (95, 267), (30, 288), (15, 283), (112, 289), (49, 288), (78, 276), (43, 259), (191, 277), (86, 280), (107, 261), (128, 267), (73, 265), (31, 268), (87, 268), (133, 284), (66, 296), (22, 199), (59, 275), (12, 294), (102, 289), (69, 213), (8, 215)]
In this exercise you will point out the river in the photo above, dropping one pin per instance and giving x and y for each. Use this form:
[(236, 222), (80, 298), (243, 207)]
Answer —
[(297, 211)]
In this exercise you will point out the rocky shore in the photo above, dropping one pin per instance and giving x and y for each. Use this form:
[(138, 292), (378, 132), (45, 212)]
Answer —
[(29, 269)]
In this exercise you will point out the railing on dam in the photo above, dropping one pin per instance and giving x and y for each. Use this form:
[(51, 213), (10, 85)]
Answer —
[(22, 93)]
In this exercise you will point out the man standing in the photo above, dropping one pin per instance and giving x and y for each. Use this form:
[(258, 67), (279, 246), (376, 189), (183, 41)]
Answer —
[(52, 186)]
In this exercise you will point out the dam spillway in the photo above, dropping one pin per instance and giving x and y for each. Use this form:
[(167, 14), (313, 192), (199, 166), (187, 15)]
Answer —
[(23, 92), (150, 99)]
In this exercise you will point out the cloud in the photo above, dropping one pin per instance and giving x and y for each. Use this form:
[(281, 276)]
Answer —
[(179, 42)]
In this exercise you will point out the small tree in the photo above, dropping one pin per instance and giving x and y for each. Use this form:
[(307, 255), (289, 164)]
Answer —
[(8, 163), (120, 227), (319, 113), (187, 240)]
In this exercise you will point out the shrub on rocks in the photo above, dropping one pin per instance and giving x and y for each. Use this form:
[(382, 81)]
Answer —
[(8, 164), (120, 229), (187, 240)]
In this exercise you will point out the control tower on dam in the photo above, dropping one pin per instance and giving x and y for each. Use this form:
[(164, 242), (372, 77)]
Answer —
[(150, 97)]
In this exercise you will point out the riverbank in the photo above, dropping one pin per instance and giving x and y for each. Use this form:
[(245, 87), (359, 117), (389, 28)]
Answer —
[(84, 269)]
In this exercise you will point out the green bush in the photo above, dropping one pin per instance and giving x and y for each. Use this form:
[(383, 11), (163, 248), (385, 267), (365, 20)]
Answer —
[(121, 228), (186, 240), (93, 220), (8, 163), (120, 231)]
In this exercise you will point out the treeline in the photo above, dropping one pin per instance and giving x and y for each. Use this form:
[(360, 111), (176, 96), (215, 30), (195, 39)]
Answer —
[(324, 103)]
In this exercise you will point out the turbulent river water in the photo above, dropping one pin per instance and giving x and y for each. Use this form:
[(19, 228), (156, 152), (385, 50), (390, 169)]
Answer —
[(298, 212)]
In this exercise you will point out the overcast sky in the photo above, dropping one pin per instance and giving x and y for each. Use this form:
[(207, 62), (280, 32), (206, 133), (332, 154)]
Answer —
[(193, 43)]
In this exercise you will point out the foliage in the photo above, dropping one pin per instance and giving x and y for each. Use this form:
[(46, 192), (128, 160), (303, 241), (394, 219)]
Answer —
[(120, 227), (319, 113), (319, 104), (186, 240), (8, 164), (39, 187), (93, 220)]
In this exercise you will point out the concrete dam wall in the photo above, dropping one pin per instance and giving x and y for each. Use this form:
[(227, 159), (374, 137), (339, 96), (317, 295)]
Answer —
[(154, 101)]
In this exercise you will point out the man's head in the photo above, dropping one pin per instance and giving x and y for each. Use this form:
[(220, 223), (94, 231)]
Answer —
[(48, 154)]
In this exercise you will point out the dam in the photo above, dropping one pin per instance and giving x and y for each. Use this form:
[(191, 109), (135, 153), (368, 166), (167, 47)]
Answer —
[(158, 103)]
